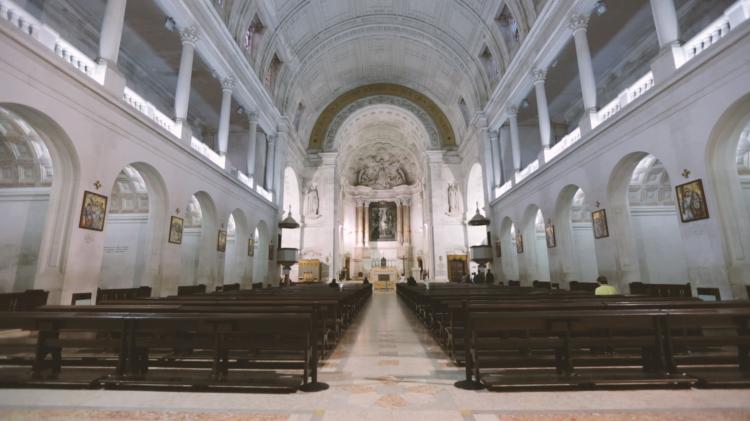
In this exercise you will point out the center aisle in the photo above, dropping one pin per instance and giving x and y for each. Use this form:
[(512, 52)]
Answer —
[(386, 367)]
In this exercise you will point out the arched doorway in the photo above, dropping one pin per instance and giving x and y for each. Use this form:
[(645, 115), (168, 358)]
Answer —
[(260, 254), (38, 177), (645, 222), (133, 230), (728, 164), (575, 237), (535, 261), (236, 260), (199, 241)]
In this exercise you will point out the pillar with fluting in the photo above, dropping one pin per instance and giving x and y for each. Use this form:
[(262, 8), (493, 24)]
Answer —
[(109, 47), (545, 129), (496, 157), (252, 134), (260, 162), (503, 137), (270, 147), (226, 110), (189, 37), (578, 24), (407, 222), (668, 32), (514, 141), (357, 223)]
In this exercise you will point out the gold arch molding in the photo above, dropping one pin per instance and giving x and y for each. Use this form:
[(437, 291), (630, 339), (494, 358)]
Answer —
[(445, 131)]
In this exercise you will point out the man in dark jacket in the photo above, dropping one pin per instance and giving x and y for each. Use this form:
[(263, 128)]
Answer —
[(490, 278)]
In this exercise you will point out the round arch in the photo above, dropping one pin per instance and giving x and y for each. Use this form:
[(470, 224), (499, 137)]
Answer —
[(236, 260), (58, 218), (574, 237), (535, 261), (323, 123), (733, 210), (260, 254), (508, 253)]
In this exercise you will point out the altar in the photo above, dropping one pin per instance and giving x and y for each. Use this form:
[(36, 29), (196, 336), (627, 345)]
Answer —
[(384, 278)]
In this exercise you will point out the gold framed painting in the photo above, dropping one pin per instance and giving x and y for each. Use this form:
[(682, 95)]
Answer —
[(519, 243), (549, 233), (221, 241), (175, 230), (691, 201), (251, 247), (599, 221), (93, 211)]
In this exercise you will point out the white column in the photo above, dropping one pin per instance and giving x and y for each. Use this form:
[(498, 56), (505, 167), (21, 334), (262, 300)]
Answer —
[(399, 222), (665, 19), (111, 34), (189, 37), (503, 143), (270, 148), (514, 142), (538, 76), (579, 24), (260, 168), (252, 134), (226, 110), (496, 158), (366, 210), (671, 56)]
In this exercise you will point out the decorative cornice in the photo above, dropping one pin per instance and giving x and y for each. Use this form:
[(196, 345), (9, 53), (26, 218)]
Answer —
[(189, 35), (578, 22)]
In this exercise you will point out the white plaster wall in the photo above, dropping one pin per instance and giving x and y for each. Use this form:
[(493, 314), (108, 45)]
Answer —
[(123, 261), (24, 211), (583, 236), (674, 121), (191, 238), (102, 134), (659, 245)]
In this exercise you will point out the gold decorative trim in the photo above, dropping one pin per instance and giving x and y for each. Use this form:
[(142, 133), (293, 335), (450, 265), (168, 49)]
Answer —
[(445, 131)]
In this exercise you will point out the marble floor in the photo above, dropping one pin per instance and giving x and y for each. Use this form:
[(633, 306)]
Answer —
[(385, 368)]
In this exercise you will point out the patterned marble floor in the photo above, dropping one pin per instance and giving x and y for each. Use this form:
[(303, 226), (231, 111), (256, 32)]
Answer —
[(385, 368)]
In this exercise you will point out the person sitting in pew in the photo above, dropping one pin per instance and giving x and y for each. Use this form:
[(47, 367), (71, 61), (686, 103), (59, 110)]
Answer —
[(366, 281), (411, 281), (604, 288), (333, 283), (489, 278)]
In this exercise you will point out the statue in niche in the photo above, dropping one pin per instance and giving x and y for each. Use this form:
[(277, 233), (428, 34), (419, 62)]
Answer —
[(454, 200), (312, 202)]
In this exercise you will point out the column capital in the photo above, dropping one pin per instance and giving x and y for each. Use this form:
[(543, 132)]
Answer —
[(578, 22), (189, 35), (492, 135), (271, 138), (227, 84), (512, 111), (252, 117), (538, 75)]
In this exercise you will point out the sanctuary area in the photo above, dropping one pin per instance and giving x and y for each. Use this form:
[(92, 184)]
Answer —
[(374, 209)]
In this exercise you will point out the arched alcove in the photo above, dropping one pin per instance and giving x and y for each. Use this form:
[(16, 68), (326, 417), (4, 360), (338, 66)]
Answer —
[(38, 178), (260, 254), (728, 157), (134, 229), (535, 261), (476, 235), (199, 257), (291, 205), (575, 236), (508, 252), (236, 259), (644, 222)]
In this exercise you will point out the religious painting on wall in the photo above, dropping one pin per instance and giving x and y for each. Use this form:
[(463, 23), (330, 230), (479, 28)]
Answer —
[(251, 247), (175, 230), (599, 220), (549, 232), (93, 211), (382, 218), (519, 243), (691, 201), (221, 243), (498, 249)]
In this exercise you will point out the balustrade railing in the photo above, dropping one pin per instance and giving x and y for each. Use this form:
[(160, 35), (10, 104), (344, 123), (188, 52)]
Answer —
[(248, 181), (625, 97), (717, 30), (136, 101), (209, 153), (527, 171), (499, 191), (263, 192), (562, 144)]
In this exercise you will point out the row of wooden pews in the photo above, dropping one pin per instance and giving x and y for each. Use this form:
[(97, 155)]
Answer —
[(526, 338), (238, 340)]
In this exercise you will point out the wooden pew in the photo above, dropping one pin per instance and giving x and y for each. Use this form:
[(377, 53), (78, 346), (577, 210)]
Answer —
[(110, 294), (191, 289), (583, 286), (661, 290), (23, 301)]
